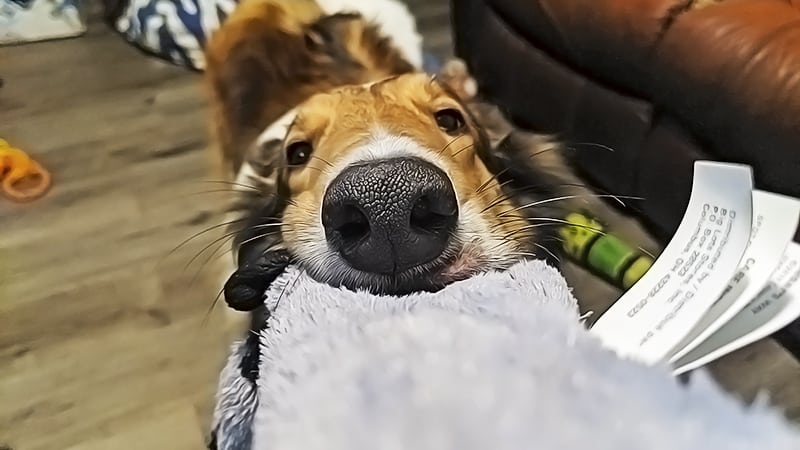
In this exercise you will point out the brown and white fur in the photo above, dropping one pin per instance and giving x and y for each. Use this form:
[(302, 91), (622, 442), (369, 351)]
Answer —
[(286, 76), (270, 55)]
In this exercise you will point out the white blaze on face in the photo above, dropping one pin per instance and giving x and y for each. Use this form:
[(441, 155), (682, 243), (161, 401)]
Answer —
[(383, 145)]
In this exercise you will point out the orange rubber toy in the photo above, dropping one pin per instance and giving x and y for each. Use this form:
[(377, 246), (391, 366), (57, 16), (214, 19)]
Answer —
[(23, 179)]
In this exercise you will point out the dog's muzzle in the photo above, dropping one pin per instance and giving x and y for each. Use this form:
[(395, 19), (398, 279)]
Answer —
[(387, 216)]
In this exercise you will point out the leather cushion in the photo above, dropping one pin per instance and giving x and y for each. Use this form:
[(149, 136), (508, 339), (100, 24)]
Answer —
[(729, 72)]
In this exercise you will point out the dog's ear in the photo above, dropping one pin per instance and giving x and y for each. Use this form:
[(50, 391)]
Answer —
[(328, 32), (327, 40), (534, 165), (248, 60), (316, 39), (240, 78), (532, 162), (270, 55), (455, 77), (355, 47)]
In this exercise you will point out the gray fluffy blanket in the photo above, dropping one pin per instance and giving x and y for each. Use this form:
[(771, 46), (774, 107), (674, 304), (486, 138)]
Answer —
[(497, 362)]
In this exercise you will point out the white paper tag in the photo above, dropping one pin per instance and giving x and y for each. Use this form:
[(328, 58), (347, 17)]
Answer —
[(775, 307), (652, 317), (775, 220)]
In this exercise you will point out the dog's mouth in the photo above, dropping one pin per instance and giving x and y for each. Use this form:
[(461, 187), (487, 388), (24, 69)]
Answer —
[(458, 263), (467, 263), (245, 288)]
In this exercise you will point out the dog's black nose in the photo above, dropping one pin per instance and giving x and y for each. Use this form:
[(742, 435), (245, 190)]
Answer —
[(389, 215)]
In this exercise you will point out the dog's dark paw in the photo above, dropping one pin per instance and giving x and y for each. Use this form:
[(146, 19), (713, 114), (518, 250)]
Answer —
[(244, 290), (251, 355)]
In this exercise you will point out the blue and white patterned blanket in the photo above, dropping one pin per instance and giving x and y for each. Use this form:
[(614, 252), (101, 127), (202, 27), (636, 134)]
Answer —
[(177, 30)]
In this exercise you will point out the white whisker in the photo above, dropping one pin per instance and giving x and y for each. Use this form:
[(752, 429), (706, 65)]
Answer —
[(569, 197)]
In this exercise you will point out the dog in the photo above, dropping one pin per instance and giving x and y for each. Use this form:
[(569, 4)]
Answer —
[(354, 165), (366, 172)]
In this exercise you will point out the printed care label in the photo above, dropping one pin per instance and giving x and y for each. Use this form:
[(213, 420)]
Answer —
[(775, 219), (728, 278), (663, 307), (775, 307)]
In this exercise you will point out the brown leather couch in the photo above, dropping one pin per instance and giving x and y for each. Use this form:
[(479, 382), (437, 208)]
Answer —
[(661, 82)]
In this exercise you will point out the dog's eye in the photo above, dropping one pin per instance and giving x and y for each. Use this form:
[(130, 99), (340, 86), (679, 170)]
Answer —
[(298, 153), (450, 120)]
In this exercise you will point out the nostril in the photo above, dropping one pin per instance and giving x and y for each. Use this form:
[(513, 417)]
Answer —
[(352, 225), (433, 214), (387, 216)]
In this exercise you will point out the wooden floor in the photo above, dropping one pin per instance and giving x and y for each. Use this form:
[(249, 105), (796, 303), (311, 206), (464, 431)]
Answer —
[(106, 340), (102, 347)]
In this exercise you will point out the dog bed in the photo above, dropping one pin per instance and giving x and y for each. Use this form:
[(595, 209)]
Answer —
[(499, 361), (177, 30)]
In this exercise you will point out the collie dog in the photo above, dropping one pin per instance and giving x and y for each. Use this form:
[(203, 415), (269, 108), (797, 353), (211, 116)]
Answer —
[(358, 167)]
